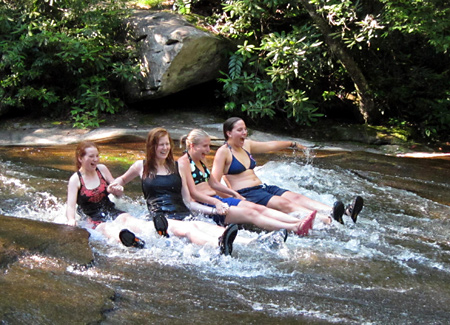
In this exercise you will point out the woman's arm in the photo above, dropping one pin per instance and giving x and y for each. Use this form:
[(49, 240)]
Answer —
[(220, 208), (134, 171), (195, 194), (72, 195), (114, 189), (263, 147), (219, 187)]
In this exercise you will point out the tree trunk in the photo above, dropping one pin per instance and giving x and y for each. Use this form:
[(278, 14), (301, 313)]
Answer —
[(367, 107)]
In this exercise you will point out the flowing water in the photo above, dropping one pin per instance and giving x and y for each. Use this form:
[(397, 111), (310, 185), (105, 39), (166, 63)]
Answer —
[(392, 266)]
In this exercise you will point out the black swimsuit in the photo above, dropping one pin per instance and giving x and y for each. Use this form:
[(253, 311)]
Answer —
[(94, 203), (163, 196)]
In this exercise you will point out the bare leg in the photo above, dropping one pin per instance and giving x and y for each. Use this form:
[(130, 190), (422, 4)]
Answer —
[(192, 231), (282, 203), (240, 215), (217, 231), (112, 229), (134, 224), (306, 202), (268, 212)]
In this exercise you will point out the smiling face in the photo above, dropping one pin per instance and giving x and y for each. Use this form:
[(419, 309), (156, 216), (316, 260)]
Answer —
[(90, 159), (238, 133), (163, 148), (200, 149)]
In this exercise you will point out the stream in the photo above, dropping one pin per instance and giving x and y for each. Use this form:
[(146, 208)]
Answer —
[(391, 267)]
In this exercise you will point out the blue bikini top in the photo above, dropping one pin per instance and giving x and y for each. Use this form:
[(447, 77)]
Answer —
[(236, 167), (197, 174)]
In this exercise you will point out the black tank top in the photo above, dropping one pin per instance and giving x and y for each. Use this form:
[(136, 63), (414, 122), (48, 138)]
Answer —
[(92, 201), (163, 195)]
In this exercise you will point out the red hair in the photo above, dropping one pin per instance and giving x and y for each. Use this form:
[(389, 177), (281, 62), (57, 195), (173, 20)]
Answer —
[(153, 138), (80, 152)]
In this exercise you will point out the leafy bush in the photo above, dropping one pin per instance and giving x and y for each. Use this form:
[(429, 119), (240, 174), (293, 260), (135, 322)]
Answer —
[(276, 75), (63, 56), (306, 58)]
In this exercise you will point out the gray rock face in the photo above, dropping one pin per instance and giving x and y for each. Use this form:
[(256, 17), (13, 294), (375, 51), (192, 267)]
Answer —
[(174, 55)]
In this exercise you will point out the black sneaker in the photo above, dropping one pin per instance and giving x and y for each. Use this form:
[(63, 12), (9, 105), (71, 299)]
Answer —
[(227, 239), (130, 240), (161, 225), (355, 208), (338, 211)]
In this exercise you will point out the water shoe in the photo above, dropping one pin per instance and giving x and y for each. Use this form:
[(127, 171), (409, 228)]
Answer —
[(355, 208), (338, 211), (130, 240), (161, 225), (227, 239)]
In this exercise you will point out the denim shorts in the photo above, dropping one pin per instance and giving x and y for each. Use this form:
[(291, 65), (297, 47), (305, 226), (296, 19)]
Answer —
[(261, 194)]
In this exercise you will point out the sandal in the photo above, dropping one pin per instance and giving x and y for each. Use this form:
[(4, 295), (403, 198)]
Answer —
[(355, 208), (130, 240), (227, 239), (161, 225), (306, 225)]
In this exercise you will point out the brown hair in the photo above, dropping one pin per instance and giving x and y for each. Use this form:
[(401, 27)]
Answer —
[(150, 167), (229, 124), (80, 151)]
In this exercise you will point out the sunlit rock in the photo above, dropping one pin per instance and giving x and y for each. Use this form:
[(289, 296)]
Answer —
[(174, 55)]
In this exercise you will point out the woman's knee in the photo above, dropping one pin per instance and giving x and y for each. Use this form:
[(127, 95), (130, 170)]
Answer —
[(250, 205), (123, 218), (244, 215)]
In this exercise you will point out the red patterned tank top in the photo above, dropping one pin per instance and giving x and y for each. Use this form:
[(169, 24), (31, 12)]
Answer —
[(92, 200)]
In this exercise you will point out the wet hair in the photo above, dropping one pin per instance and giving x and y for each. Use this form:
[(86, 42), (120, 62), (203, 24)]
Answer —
[(150, 167), (228, 125), (194, 137), (80, 151)]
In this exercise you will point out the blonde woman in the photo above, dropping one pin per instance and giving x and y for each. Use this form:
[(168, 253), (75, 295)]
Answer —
[(204, 188)]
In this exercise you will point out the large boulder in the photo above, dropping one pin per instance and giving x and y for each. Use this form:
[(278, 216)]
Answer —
[(174, 55), (44, 238), (38, 279)]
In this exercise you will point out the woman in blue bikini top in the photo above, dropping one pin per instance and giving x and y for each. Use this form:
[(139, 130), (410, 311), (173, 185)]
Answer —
[(236, 167), (204, 188), (234, 161)]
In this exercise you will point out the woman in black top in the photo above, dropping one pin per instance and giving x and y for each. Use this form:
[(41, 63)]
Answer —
[(166, 194)]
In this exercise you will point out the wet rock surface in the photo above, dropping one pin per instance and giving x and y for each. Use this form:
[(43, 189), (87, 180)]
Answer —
[(70, 244), (36, 287)]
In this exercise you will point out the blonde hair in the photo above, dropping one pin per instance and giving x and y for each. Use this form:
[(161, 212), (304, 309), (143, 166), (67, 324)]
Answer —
[(194, 137)]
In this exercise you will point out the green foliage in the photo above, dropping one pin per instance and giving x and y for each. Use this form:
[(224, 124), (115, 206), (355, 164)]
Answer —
[(183, 7), (152, 3), (276, 75), (284, 67), (64, 56), (429, 18)]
